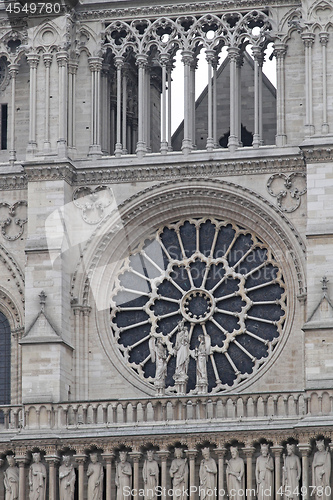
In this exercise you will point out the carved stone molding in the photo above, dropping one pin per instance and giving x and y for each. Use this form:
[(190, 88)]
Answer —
[(206, 169), (181, 8), (9, 218), (317, 154), (14, 269), (93, 202), (50, 172), (287, 189), (10, 181)]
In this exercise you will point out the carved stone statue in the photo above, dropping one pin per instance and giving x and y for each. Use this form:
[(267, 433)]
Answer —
[(95, 478), (182, 350), (201, 352), (291, 472), (158, 355), (264, 474), (67, 479), (235, 475), (150, 474), (123, 477), (11, 479), (37, 478), (321, 471), (179, 474), (207, 475)]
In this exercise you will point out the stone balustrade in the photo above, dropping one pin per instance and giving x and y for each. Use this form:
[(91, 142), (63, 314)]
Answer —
[(168, 410)]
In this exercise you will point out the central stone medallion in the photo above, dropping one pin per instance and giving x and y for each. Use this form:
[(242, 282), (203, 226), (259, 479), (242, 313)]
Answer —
[(197, 305)]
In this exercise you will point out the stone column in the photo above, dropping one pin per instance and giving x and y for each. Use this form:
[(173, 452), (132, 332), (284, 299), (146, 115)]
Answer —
[(248, 451), (308, 39), (280, 53), (191, 454), (72, 71), (85, 365), (21, 460), (220, 452), (233, 142), (47, 59), (238, 126), (256, 51), (95, 66), (169, 68), (52, 460), (164, 144), (62, 60), (105, 109), (124, 112), (33, 60), (108, 457), (119, 63), (163, 454), (323, 37), (210, 56), (276, 450), (80, 458), (13, 70), (136, 458), (305, 449), (215, 64), (187, 59), (147, 109), (141, 61)]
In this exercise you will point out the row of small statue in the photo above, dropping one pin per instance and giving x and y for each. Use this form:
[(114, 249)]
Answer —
[(235, 470), (159, 355)]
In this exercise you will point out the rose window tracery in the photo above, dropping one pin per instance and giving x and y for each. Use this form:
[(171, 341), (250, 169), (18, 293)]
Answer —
[(217, 280)]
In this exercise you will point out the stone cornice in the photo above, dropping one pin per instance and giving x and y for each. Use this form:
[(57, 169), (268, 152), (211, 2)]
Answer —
[(89, 12), (13, 181), (162, 171), (55, 171), (318, 153)]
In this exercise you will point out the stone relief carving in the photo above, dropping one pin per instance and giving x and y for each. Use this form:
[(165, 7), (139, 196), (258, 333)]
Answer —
[(201, 353), (235, 475), (321, 471), (287, 189), (265, 474), (123, 477), (12, 219), (95, 478), (291, 473), (11, 479), (182, 352), (92, 202), (208, 476), (159, 356), (67, 479), (179, 475), (37, 479), (150, 475)]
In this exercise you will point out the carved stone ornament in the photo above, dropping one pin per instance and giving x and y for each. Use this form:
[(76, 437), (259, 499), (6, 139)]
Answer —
[(211, 280), (287, 189), (92, 202), (12, 219)]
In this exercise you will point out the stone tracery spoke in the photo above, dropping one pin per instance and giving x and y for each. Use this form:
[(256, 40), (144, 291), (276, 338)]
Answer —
[(218, 278)]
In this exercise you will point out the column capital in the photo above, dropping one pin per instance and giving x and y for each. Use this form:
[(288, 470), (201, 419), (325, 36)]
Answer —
[(80, 458), (141, 60), (308, 38), (119, 61), (233, 53), (280, 50), (304, 448), (86, 310), (72, 67), (191, 454), (248, 450), (164, 59), (62, 58), (52, 459), (323, 37), (21, 460), (95, 63), (33, 60), (108, 456), (277, 449), (13, 69), (220, 452), (210, 55), (187, 57), (163, 454), (135, 455), (47, 58)]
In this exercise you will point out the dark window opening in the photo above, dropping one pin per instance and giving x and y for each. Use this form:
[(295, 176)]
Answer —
[(4, 122), (246, 138)]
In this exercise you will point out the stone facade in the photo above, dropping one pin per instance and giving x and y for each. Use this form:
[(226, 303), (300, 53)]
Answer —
[(162, 297)]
